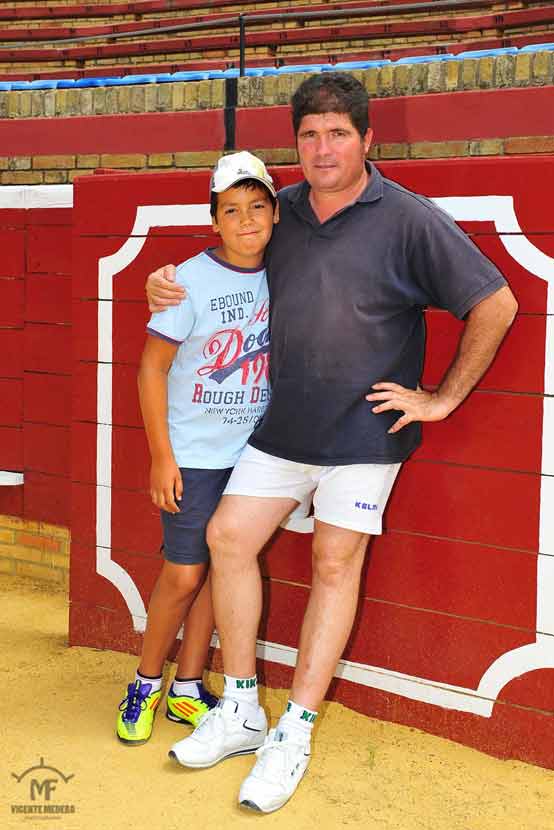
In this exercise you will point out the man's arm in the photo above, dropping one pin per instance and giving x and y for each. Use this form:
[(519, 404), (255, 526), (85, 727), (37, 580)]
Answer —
[(485, 328), (166, 485), (162, 290)]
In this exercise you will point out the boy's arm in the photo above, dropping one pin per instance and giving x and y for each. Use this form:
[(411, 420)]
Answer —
[(166, 486)]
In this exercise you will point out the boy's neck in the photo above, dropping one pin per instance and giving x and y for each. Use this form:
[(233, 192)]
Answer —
[(253, 262)]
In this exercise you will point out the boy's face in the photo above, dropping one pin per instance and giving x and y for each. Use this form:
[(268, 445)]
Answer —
[(244, 220)]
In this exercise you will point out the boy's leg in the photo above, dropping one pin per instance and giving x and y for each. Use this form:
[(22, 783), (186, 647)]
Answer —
[(188, 699), (187, 556), (175, 590), (171, 599), (199, 627)]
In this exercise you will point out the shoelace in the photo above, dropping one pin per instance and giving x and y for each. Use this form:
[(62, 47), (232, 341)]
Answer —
[(276, 762), (135, 702), (209, 720)]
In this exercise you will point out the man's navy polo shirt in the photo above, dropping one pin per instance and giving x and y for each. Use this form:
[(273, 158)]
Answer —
[(346, 310)]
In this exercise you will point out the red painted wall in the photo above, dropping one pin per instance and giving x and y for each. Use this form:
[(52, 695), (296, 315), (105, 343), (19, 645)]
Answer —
[(452, 585), (35, 361)]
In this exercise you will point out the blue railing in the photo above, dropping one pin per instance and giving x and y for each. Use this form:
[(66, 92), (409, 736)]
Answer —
[(342, 66)]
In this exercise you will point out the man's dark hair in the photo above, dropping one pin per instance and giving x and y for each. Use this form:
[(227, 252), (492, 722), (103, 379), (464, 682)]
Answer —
[(331, 92), (248, 184)]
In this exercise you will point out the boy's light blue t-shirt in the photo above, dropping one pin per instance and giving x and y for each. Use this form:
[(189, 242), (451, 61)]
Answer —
[(218, 384)]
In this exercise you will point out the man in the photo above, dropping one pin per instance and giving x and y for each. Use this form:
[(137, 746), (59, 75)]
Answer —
[(351, 266)]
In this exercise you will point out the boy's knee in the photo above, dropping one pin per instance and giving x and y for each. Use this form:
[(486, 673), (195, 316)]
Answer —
[(183, 580)]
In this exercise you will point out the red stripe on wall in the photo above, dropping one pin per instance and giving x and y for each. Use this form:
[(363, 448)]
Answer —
[(441, 117), (154, 132), (497, 113)]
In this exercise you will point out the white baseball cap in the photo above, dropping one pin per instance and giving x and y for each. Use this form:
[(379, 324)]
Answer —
[(238, 166)]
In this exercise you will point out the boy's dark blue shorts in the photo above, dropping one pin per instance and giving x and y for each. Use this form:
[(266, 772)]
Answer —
[(184, 533)]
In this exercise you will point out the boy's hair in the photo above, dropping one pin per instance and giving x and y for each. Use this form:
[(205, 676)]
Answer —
[(331, 92), (248, 184)]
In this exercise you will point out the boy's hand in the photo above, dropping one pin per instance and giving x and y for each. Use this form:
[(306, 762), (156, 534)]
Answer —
[(162, 290), (166, 485)]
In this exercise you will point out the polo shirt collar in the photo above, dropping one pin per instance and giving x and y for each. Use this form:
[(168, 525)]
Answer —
[(372, 192)]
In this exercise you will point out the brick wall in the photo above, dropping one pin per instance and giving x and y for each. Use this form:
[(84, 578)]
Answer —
[(34, 549)]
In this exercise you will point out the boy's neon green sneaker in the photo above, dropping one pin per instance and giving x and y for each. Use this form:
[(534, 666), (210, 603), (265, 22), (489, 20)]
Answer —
[(136, 713), (185, 709)]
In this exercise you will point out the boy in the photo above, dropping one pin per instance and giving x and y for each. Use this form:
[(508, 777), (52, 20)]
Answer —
[(203, 385)]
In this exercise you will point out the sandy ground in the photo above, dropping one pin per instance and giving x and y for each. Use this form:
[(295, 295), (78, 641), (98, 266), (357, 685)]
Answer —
[(60, 704)]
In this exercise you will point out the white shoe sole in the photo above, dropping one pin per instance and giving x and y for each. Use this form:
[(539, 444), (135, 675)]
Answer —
[(198, 765), (247, 804), (250, 804)]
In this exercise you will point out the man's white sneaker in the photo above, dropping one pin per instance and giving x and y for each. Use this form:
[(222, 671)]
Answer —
[(223, 732), (282, 761)]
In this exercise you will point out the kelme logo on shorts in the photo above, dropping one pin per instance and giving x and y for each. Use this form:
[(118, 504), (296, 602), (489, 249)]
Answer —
[(363, 505)]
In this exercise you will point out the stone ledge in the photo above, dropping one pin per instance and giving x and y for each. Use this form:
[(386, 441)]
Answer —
[(392, 80)]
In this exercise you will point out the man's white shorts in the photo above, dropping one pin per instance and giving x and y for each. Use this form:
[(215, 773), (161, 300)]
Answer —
[(352, 496)]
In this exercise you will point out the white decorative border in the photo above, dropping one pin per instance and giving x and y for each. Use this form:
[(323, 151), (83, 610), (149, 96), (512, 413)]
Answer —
[(9, 479), (23, 197)]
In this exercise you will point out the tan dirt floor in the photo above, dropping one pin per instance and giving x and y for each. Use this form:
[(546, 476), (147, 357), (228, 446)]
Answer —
[(60, 704)]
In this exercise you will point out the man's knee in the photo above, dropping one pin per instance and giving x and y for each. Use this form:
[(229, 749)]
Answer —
[(224, 536), (333, 559)]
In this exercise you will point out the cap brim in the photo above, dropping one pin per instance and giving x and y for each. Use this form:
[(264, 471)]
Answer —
[(266, 184)]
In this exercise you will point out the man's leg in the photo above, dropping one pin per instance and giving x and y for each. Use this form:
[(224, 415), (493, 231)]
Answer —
[(348, 504), (237, 532), (338, 555), (337, 560)]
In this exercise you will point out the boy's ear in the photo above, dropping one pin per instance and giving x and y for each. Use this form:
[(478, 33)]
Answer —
[(215, 226), (276, 213)]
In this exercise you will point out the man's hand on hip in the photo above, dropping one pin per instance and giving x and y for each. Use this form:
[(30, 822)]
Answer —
[(416, 404), (161, 289)]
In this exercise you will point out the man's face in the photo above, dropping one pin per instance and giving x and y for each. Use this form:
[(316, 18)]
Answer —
[(331, 151)]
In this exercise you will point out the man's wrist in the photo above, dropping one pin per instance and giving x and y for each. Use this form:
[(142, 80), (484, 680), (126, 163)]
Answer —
[(445, 402)]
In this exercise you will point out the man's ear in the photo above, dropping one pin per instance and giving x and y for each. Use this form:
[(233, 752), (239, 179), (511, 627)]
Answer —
[(367, 139)]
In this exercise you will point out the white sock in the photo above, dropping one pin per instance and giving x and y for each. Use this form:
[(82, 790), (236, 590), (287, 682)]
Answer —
[(296, 718), (186, 687), (243, 690), (155, 682)]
